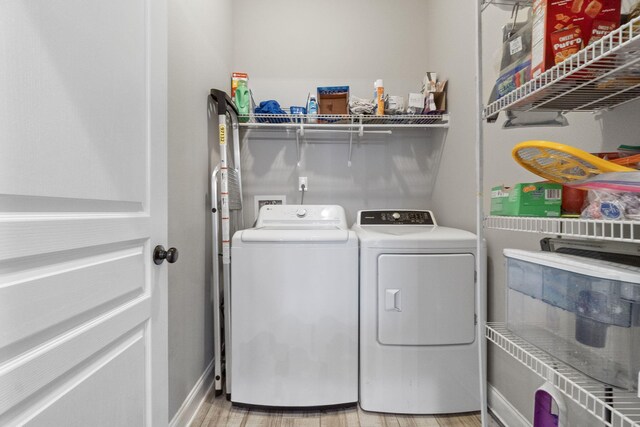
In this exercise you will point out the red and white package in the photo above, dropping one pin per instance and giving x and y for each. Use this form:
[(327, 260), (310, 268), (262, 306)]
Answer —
[(601, 28), (551, 16), (565, 43)]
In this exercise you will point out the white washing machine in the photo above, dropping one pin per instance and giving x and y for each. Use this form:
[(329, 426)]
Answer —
[(418, 343), (294, 309)]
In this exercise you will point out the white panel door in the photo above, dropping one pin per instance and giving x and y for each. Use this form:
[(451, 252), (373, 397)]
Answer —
[(83, 310)]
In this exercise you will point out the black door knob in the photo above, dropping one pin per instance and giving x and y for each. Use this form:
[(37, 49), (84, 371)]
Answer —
[(160, 254)]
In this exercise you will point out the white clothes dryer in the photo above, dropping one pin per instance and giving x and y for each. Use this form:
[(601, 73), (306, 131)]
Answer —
[(294, 309), (418, 343)]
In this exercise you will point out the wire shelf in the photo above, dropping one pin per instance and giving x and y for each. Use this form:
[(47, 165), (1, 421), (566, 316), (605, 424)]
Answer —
[(604, 75), (624, 231), (349, 122), (611, 406)]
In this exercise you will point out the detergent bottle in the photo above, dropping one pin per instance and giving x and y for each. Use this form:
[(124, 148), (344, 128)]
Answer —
[(242, 100), (378, 96)]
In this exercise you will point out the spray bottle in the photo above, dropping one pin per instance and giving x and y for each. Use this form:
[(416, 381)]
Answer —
[(378, 96), (312, 109)]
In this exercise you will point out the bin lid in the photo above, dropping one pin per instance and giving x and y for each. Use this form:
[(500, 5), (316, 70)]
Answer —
[(576, 264)]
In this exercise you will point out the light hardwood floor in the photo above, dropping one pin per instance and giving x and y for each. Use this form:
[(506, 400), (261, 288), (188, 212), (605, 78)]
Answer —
[(218, 412)]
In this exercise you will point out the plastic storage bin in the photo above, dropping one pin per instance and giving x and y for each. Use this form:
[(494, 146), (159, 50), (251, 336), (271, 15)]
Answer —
[(585, 312)]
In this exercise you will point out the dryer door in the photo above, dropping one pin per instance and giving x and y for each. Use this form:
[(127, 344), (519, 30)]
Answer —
[(426, 299)]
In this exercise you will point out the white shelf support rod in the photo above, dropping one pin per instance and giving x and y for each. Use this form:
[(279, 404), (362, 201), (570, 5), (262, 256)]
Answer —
[(481, 285), (299, 134), (350, 149)]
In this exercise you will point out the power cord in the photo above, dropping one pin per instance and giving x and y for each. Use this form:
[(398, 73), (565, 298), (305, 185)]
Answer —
[(303, 188)]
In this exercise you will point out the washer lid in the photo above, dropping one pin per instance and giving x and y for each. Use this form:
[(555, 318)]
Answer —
[(307, 216), (307, 235)]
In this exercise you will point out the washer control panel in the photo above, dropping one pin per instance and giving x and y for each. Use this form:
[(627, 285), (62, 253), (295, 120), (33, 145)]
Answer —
[(396, 217)]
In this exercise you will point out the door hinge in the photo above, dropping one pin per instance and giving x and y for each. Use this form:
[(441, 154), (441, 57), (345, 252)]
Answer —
[(475, 319), (475, 276)]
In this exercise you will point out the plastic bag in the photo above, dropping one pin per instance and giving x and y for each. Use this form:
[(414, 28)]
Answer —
[(611, 181), (612, 206)]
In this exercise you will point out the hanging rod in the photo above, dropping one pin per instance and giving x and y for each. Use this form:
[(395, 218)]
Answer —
[(358, 131), (300, 132)]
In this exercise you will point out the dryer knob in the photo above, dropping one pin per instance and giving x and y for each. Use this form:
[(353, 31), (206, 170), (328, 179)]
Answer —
[(396, 216), (301, 213)]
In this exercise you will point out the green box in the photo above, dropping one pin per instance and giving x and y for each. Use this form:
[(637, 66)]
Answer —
[(541, 199)]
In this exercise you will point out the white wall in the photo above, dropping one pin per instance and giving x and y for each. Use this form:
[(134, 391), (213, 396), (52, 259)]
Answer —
[(592, 133), (199, 59), (289, 47)]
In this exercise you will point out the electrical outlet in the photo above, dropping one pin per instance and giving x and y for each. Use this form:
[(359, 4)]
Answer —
[(302, 180)]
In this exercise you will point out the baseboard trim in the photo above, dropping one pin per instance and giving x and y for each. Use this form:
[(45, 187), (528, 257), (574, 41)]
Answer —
[(194, 400), (504, 411)]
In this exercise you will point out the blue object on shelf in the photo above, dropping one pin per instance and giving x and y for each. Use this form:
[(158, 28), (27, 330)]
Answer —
[(270, 107), (298, 113)]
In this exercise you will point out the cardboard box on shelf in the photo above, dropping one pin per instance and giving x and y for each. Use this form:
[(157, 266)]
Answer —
[(541, 199), (333, 100), (440, 101), (551, 16)]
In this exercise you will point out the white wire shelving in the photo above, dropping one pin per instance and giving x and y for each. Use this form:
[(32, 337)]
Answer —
[(350, 124), (604, 75), (621, 231), (611, 406), (355, 123)]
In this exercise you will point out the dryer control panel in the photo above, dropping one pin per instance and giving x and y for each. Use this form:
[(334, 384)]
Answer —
[(396, 217)]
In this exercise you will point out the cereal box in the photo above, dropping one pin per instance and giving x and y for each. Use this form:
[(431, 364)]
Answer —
[(551, 16)]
